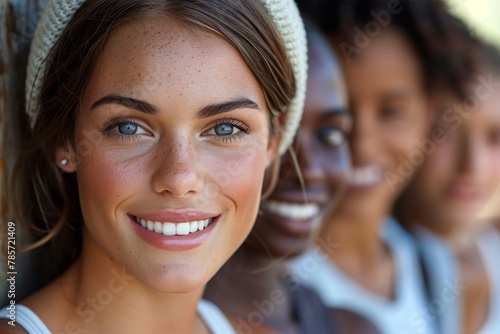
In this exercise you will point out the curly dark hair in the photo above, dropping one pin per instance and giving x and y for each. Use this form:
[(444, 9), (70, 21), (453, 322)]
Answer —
[(445, 46)]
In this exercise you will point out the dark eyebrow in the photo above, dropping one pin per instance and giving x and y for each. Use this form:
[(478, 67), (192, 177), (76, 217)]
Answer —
[(127, 102), (398, 95), (208, 111), (219, 108), (337, 112)]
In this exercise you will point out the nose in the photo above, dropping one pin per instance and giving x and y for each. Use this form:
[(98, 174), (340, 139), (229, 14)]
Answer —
[(471, 157), (308, 159), (363, 139), (177, 171)]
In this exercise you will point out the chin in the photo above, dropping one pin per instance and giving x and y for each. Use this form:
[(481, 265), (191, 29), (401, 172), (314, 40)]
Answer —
[(466, 221), (288, 248), (173, 279)]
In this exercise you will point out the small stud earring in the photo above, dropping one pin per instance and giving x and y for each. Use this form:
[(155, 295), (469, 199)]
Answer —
[(64, 162)]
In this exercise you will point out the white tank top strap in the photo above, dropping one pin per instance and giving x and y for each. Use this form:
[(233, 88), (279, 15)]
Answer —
[(213, 317), (488, 243), (27, 319)]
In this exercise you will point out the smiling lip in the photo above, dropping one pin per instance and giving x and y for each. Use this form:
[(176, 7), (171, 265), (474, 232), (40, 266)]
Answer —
[(295, 211), (175, 216), (300, 218), (175, 241)]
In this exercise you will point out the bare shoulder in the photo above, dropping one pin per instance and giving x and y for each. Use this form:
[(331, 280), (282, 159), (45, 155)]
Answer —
[(6, 328)]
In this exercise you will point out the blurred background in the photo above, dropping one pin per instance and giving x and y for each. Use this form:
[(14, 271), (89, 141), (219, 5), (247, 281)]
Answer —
[(480, 15)]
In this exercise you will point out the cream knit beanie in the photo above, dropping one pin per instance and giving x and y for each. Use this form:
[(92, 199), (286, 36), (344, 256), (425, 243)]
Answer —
[(283, 13)]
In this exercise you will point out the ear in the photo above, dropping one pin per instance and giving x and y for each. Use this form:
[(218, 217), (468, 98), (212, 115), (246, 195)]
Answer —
[(66, 159), (272, 149)]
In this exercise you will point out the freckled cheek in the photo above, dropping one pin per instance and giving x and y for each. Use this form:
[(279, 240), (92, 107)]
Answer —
[(238, 175), (105, 179)]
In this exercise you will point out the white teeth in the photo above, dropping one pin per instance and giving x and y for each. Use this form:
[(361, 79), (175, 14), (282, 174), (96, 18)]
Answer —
[(168, 228), (366, 176), (151, 225), (158, 227), (293, 210), (183, 228)]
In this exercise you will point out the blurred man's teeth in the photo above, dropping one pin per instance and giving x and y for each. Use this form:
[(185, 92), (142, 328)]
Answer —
[(365, 176), (293, 210), (168, 228)]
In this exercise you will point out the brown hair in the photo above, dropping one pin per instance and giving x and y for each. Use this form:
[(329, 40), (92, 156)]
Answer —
[(45, 202)]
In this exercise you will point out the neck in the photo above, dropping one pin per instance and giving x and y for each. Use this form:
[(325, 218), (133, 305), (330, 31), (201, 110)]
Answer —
[(356, 237), (460, 241), (251, 282), (453, 233), (361, 253), (107, 297)]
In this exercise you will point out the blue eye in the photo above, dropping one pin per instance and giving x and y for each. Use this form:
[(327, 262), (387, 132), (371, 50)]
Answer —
[(125, 128), (128, 128), (227, 130), (224, 129)]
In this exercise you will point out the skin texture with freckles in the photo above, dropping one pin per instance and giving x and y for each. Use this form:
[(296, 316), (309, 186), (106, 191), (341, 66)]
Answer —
[(148, 150)]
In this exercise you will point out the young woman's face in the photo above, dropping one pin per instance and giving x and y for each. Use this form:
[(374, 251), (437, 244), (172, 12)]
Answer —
[(391, 116), (457, 180), (290, 215), (173, 133)]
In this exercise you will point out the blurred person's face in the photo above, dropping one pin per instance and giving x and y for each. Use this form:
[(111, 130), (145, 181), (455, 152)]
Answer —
[(290, 216), (455, 183), (391, 115)]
